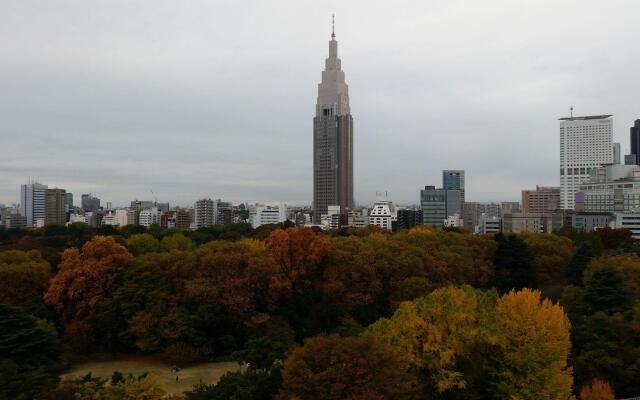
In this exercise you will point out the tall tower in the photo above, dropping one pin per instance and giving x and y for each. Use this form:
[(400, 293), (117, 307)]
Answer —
[(332, 139), (585, 144)]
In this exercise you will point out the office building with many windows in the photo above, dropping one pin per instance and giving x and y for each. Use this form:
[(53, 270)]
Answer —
[(585, 143)]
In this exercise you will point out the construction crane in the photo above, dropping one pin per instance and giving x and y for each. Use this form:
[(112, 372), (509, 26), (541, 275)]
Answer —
[(154, 196)]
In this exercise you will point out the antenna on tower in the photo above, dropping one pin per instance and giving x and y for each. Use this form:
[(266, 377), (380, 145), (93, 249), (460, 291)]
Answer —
[(333, 26)]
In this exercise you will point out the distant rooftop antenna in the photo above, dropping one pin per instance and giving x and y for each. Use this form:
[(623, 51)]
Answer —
[(333, 26), (571, 110)]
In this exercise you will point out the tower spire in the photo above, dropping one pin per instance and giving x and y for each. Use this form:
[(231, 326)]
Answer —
[(333, 26)]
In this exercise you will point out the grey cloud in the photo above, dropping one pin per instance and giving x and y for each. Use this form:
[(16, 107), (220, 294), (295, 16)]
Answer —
[(216, 98)]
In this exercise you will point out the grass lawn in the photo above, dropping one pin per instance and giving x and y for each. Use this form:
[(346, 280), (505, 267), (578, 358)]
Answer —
[(103, 366)]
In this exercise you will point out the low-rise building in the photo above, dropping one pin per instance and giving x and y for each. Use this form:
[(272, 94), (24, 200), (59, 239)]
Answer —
[(529, 222), (383, 214), (454, 221), (267, 214), (489, 224), (630, 221)]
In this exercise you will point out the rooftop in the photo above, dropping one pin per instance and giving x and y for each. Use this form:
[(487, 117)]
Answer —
[(587, 117)]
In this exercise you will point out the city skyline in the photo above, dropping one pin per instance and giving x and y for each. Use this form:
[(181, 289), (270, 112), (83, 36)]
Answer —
[(130, 99)]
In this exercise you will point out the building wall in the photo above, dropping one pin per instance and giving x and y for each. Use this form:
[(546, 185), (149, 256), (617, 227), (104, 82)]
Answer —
[(434, 206), (55, 207), (585, 143), (32, 202), (541, 200)]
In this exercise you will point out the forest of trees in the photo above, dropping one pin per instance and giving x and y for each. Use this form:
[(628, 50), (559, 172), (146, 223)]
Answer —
[(352, 314)]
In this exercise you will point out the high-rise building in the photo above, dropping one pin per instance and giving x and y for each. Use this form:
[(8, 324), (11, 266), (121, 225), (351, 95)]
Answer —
[(32, 203), (585, 143), (635, 141), (332, 140), (89, 202), (542, 200), (453, 179), (54, 207), (617, 154), (439, 204), (68, 202), (204, 213)]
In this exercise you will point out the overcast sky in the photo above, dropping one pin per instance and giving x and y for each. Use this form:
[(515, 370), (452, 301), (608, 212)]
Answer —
[(216, 98)]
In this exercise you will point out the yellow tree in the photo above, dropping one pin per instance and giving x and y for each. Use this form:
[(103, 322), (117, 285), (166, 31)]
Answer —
[(24, 276), (536, 347)]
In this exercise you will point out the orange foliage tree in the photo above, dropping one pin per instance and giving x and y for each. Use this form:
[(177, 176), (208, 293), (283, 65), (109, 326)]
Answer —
[(298, 252), (83, 279), (597, 390)]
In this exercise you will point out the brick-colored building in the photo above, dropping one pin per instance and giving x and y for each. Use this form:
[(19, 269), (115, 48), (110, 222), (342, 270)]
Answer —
[(543, 199)]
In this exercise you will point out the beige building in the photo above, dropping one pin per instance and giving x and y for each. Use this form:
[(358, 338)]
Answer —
[(529, 222)]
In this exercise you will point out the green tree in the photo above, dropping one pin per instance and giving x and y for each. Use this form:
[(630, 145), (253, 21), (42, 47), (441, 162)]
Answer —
[(142, 244), (176, 242), (604, 291), (578, 263), (260, 381), (513, 264), (29, 355)]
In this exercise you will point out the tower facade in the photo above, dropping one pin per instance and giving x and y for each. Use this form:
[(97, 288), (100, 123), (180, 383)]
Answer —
[(585, 144), (332, 140), (635, 140)]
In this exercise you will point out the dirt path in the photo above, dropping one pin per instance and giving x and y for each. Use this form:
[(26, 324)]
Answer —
[(189, 375)]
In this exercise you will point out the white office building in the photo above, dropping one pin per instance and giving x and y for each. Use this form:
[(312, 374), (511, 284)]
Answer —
[(585, 143), (33, 203), (73, 218), (454, 221), (489, 224), (630, 221), (263, 215), (150, 216), (383, 214)]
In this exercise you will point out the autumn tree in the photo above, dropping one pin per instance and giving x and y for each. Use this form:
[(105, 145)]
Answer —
[(143, 243), (597, 390), (331, 367), (535, 348), (24, 276), (176, 242), (614, 238), (84, 277), (298, 251), (465, 343), (551, 253)]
